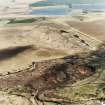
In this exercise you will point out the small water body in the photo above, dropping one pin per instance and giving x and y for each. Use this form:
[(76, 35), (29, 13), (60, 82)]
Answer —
[(89, 6), (23, 6), (98, 5), (62, 10), (76, 1), (66, 10)]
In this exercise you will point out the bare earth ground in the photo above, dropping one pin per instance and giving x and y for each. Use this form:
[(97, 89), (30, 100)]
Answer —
[(49, 40), (92, 28), (24, 49)]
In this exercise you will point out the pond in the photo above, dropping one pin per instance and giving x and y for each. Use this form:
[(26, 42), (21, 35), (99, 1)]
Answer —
[(60, 10)]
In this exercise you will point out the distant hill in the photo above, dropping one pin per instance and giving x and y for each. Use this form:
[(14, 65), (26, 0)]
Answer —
[(42, 3), (66, 2)]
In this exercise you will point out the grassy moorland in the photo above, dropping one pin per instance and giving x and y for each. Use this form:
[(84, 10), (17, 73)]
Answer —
[(13, 21)]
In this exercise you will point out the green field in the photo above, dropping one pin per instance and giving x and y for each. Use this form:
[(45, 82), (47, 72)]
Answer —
[(12, 21)]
